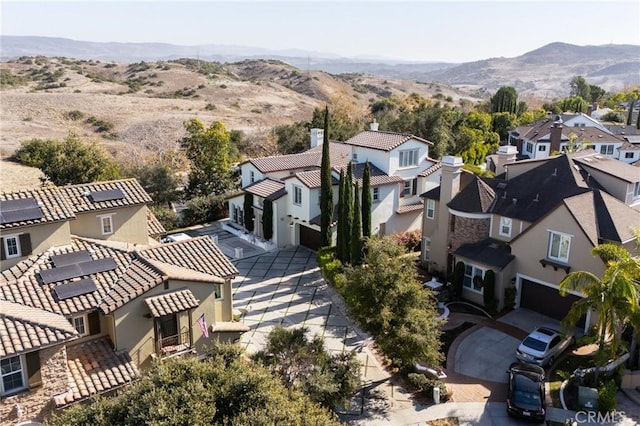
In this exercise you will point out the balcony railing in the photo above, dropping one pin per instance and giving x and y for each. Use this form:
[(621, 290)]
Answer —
[(173, 345)]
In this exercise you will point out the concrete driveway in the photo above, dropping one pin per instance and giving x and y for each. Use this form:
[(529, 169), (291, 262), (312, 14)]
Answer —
[(486, 354)]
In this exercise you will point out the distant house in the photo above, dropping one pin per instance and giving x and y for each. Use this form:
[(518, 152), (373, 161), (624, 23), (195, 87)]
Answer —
[(89, 299), (400, 170), (531, 225)]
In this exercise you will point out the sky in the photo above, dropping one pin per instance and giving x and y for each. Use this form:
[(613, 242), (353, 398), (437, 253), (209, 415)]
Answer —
[(421, 31)]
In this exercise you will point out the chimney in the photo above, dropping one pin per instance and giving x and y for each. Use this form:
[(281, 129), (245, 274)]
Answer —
[(590, 109), (374, 126), (450, 178), (317, 136), (506, 155), (556, 136)]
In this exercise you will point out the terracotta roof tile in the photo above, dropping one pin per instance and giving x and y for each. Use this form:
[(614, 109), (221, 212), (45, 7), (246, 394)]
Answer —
[(312, 179), (154, 226), (408, 208), (265, 188), (378, 177), (93, 368), (310, 159), (24, 329), (53, 206), (80, 200), (199, 254), (139, 278), (436, 166), (384, 141), (171, 303)]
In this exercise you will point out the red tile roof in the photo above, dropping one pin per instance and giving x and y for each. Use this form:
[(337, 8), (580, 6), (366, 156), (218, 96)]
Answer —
[(79, 199), (53, 205), (171, 302), (154, 226), (93, 368), (310, 159), (265, 188), (384, 141), (408, 208), (24, 329)]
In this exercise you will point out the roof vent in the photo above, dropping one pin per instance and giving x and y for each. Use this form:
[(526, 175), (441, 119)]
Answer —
[(555, 172), (537, 197), (504, 195), (514, 200)]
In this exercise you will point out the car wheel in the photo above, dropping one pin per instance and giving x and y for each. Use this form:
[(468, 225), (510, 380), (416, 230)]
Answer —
[(551, 361)]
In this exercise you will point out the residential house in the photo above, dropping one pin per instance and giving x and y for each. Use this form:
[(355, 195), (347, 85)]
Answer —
[(400, 170), (88, 299), (531, 225)]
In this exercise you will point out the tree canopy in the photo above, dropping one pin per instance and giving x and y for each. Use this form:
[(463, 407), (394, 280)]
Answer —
[(223, 389), (209, 151), (71, 161), (505, 100)]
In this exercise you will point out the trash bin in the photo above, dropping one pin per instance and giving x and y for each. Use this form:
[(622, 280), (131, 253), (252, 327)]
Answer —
[(436, 394)]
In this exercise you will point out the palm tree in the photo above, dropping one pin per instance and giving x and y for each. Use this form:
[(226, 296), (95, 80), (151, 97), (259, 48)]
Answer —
[(614, 297)]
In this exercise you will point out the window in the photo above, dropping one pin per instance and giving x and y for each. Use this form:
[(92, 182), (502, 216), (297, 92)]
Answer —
[(234, 218), (355, 156), (473, 277), (505, 226), (13, 375), (406, 189), (628, 155), (375, 194), (426, 245), (431, 209), (636, 190), (409, 158), (542, 147), (252, 177), (11, 246), (79, 323), (297, 195), (106, 224), (559, 246), (217, 290), (529, 147), (606, 149)]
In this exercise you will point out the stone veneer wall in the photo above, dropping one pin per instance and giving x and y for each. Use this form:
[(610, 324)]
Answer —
[(468, 231), (37, 404)]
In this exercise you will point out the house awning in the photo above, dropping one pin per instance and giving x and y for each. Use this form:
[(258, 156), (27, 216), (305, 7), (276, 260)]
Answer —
[(171, 303), (408, 208)]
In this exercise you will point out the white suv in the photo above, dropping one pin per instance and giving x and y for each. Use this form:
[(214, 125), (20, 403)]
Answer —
[(543, 346)]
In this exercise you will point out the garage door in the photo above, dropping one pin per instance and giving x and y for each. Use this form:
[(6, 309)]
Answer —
[(309, 238), (546, 300)]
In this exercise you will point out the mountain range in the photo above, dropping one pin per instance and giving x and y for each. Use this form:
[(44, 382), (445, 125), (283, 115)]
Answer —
[(544, 72)]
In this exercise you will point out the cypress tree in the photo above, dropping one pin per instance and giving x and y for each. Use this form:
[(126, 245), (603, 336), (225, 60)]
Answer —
[(326, 189), (348, 214), (340, 230), (356, 234), (638, 120), (630, 115), (248, 211), (267, 220), (366, 201)]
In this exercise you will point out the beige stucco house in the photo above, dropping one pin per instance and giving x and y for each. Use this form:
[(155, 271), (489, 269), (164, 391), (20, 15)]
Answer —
[(531, 225), (88, 299)]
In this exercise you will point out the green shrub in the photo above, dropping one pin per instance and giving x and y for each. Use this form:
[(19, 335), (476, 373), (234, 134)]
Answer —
[(74, 115), (210, 107), (426, 385), (510, 297), (607, 396), (167, 217), (204, 209)]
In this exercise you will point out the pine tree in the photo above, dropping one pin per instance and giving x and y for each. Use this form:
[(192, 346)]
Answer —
[(340, 227), (356, 234), (348, 214), (366, 201), (326, 189)]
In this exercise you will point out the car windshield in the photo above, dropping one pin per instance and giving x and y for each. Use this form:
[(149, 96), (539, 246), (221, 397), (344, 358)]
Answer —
[(526, 392), (535, 344)]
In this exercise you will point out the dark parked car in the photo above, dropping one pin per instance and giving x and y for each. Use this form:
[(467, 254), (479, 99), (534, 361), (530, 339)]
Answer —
[(525, 397)]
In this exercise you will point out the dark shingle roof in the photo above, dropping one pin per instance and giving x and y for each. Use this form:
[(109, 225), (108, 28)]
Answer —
[(617, 168), (383, 141), (477, 197), (488, 252)]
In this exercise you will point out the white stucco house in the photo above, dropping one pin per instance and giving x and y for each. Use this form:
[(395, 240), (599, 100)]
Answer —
[(401, 169)]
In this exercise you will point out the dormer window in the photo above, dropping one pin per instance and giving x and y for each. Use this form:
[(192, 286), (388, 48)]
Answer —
[(106, 223), (409, 157), (252, 177)]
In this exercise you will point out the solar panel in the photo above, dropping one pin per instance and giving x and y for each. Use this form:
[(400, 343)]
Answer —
[(18, 204), (98, 265), (70, 258), (12, 216), (75, 288), (106, 195), (75, 270)]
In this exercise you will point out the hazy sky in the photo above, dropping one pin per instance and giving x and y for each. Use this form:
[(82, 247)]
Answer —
[(454, 31)]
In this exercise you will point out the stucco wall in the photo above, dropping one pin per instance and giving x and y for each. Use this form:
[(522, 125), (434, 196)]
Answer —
[(43, 237), (36, 404), (129, 225)]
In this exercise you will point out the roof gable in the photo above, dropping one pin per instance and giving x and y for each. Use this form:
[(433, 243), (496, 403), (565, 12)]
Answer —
[(83, 197), (383, 141)]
